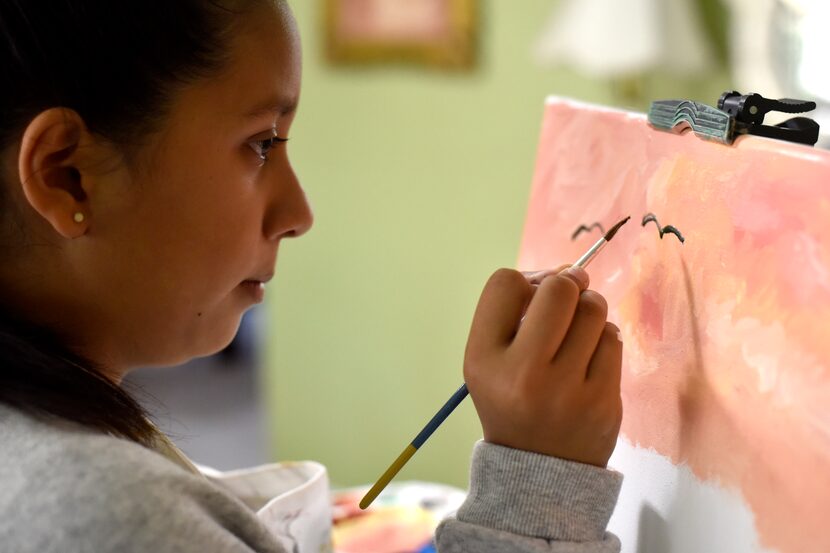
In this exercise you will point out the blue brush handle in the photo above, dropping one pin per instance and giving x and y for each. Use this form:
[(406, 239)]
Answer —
[(439, 417)]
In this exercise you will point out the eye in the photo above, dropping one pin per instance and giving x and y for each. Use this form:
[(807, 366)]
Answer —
[(262, 146)]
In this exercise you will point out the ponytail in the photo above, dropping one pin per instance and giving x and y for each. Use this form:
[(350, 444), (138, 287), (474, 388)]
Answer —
[(40, 376)]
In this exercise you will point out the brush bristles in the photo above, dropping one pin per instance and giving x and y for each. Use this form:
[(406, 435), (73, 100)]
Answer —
[(610, 234)]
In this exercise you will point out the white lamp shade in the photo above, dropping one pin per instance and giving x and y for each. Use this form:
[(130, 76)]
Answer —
[(609, 38)]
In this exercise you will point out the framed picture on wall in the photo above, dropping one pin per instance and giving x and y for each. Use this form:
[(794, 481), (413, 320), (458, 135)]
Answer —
[(437, 33)]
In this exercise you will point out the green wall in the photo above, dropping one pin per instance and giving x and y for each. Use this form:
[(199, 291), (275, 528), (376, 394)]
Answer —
[(419, 182)]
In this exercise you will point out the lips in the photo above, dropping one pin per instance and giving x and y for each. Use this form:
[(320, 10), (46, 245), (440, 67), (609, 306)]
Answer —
[(254, 288), (260, 279)]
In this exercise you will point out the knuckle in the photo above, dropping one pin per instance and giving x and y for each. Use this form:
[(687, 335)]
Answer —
[(593, 304), (473, 377), (506, 278), (469, 368), (560, 287), (470, 377), (475, 359)]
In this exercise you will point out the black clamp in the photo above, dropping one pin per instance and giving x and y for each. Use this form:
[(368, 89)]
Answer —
[(749, 111), (735, 115)]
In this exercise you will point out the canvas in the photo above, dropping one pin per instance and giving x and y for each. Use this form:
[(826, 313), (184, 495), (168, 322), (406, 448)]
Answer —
[(725, 440)]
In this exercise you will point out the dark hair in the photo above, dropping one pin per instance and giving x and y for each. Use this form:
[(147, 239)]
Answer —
[(118, 65)]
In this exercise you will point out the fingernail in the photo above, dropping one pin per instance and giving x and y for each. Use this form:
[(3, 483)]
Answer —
[(579, 275), (619, 336)]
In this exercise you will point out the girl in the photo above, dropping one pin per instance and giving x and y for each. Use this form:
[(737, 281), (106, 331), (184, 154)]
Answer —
[(145, 191)]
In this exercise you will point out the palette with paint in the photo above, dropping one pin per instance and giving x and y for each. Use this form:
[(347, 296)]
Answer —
[(402, 519)]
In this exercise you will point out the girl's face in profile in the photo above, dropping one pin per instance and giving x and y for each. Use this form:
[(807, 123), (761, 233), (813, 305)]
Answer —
[(169, 246)]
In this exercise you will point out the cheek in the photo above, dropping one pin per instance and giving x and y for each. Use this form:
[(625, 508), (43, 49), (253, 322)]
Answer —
[(218, 249), (215, 204), (195, 250)]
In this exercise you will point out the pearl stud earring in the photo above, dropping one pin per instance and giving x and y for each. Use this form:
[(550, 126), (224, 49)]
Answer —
[(79, 217)]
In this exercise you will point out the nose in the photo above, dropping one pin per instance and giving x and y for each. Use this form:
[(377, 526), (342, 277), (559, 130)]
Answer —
[(289, 214)]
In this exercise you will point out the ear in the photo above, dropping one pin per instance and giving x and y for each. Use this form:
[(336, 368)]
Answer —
[(52, 164)]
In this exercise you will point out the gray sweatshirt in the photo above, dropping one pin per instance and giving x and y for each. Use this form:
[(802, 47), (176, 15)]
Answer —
[(67, 489)]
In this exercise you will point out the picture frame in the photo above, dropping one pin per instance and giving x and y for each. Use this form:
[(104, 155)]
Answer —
[(429, 33)]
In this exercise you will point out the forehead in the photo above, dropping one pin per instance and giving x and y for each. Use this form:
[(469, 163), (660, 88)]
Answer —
[(262, 74)]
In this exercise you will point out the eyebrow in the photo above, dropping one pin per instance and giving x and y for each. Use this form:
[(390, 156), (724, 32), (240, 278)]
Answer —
[(280, 105)]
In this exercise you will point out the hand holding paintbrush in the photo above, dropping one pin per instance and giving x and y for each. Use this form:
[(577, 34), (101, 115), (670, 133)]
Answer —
[(553, 387), (543, 367)]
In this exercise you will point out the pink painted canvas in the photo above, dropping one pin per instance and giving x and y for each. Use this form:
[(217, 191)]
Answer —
[(727, 334)]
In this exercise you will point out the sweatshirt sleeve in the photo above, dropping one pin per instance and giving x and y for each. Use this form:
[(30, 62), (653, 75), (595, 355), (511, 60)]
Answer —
[(523, 502), (106, 495)]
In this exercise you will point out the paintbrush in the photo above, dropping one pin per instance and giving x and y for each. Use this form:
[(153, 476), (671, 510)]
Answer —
[(461, 393)]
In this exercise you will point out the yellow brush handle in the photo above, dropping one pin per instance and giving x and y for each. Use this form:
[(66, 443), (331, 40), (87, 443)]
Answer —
[(388, 476)]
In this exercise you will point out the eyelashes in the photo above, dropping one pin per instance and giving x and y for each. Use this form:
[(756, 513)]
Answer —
[(262, 147), (648, 217), (266, 145)]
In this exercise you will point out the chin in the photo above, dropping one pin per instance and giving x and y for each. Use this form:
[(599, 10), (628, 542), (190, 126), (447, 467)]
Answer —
[(214, 346), (182, 357), (223, 341), (209, 336)]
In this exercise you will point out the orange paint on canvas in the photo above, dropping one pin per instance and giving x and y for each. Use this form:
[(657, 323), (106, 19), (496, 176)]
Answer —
[(727, 336)]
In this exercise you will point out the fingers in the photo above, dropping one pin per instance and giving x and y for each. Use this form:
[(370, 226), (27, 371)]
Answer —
[(549, 314), (499, 310), (583, 336), (606, 364), (536, 277)]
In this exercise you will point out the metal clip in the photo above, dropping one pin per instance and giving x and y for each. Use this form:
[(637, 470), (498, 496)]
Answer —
[(735, 115)]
